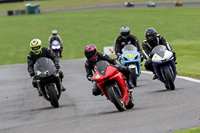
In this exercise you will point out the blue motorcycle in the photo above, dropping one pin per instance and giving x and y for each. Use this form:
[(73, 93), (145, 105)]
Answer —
[(131, 58), (164, 66)]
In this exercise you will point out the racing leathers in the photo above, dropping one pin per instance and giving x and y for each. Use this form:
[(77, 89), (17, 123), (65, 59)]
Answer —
[(148, 47), (89, 66), (120, 42)]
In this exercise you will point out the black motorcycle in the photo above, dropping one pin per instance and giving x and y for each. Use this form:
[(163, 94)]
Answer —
[(48, 80)]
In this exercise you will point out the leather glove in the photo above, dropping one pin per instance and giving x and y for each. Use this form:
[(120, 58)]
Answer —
[(118, 66), (90, 78), (57, 66), (32, 74), (149, 61)]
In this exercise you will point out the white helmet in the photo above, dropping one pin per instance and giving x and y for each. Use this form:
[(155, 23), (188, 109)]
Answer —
[(54, 32)]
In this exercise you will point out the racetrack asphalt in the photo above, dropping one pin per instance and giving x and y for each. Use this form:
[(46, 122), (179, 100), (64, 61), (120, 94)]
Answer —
[(140, 5), (156, 109)]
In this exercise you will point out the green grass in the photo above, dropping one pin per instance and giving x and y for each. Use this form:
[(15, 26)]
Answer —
[(193, 130), (59, 4), (180, 27)]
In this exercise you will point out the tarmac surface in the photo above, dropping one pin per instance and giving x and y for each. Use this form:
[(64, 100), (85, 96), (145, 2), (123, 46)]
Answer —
[(156, 110)]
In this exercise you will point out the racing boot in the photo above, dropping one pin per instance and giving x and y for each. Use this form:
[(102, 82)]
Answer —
[(154, 76), (39, 93), (131, 86), (63, 88)]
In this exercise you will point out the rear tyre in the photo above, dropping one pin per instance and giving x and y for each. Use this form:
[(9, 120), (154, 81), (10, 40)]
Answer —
[(169, 78), (133, 77), (115, 97), (53, 96)]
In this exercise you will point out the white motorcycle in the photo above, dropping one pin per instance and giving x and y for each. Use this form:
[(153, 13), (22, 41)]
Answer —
[(164, 66)]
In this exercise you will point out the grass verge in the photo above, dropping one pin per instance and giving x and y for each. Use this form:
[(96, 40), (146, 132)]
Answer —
[(180, 27)]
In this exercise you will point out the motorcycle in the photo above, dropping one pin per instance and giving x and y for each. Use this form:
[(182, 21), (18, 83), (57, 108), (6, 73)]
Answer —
[(164, 66), (113, 85), (131, 58), (48, 80), (56, 48)]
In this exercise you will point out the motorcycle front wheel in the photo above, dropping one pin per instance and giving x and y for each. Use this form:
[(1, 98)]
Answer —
[(115, 97), (169, 78), (133, 77), (53, 96)]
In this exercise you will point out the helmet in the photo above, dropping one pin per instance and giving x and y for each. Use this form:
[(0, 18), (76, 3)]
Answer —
[(91, 52), (150, 34), (124, 32), (54, 32), (36, 46)]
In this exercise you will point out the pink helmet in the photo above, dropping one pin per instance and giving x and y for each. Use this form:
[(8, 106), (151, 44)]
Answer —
[(90, 52)]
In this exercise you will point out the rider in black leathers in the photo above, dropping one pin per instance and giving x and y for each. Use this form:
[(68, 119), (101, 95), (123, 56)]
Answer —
[(37, 51), (126, 38), (152, 40), (93, 56)]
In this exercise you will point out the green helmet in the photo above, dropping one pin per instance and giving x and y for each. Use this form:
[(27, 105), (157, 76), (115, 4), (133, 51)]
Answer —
[(36, 46)]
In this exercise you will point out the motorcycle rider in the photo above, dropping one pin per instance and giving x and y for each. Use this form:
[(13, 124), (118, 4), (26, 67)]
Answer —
[(152, 40), (53, 37), (93, 56), (125, 38), (37, 51)]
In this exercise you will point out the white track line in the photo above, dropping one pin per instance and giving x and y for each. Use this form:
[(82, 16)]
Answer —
[(180, 77)]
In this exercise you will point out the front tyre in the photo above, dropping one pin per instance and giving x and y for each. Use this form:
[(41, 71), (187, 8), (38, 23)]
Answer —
[(169, 79), (115, 97), (52, 95), (133, 77), (131, 102)]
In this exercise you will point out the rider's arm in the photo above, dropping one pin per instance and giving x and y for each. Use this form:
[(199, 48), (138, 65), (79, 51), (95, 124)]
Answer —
[(49, 40), (88, 68), (60, 39), (137, 44), (30, 63), (146, 51), (51, 55), (164, 42), (117, 46), (107, 58)]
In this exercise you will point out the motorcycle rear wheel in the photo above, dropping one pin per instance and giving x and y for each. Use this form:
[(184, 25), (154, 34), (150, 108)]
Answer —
[(169, 78), (53, 96), (115, 97)]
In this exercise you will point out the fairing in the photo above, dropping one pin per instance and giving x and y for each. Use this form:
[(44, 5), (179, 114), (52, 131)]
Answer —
[(44, 67)]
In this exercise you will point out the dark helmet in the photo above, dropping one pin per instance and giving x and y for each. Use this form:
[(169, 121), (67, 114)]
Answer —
[(90, 52), (150, 32), (125, 32)]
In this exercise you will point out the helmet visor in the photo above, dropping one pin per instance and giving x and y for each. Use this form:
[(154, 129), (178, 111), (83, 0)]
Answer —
[(149, 37), (125, 34), (94, 59), (36, 48)]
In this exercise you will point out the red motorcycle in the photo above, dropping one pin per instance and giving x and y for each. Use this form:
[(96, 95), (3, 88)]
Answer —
[(113, 85)]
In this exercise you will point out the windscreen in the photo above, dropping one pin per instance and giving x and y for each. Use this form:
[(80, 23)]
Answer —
[(129, 47), (160, 50), (44, 65), (101, 67)]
